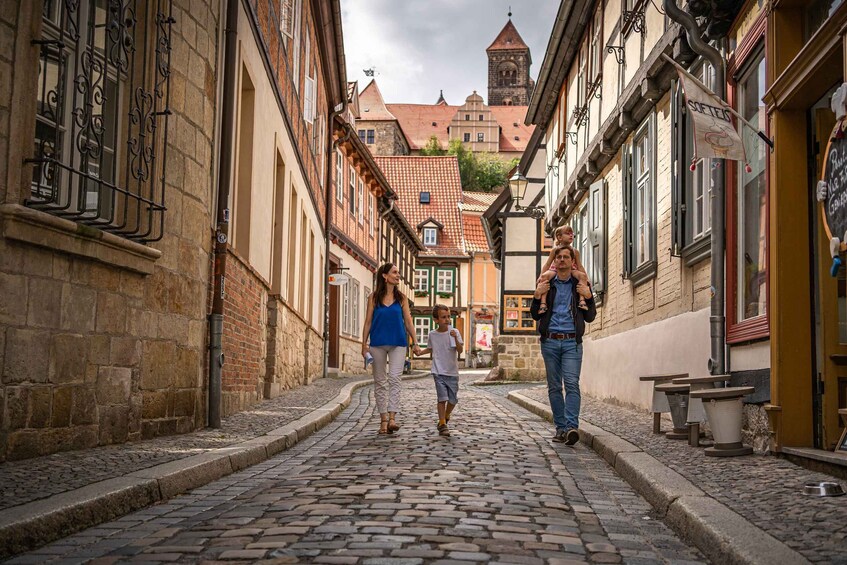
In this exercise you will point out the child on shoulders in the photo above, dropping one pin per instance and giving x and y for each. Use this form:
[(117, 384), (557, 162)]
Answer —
[(564, 236)]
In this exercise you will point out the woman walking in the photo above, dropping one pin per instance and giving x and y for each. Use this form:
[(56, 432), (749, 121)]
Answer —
[(387, 323)]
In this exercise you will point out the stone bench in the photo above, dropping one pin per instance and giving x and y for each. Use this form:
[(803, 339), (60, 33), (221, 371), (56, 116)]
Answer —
[(724, 410), (660, 401), (696, 412)]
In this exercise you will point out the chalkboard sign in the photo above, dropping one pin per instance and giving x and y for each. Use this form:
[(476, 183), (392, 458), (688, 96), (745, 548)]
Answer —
[(835, 175), (842, 442)]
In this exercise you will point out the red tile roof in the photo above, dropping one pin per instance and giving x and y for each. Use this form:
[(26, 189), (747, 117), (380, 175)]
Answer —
[(508, 38), (371, 104), (474, 234), (478, 201), (411, 175), (511, 120), (416, 121)]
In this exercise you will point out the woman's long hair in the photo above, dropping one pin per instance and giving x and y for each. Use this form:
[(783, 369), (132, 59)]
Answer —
[(382, 287)]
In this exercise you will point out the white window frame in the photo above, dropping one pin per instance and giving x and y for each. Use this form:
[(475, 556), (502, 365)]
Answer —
[(445, 283), (421, 280), (354, 307), (361, 206), (430, 236), (286, 19), (339, 176), (423, 325), (643, 196), (581, 236), (480, 137), (295, 66), (371, 214), (352, 184), (345, 309)]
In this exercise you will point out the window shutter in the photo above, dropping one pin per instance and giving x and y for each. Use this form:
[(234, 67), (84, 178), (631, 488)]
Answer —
[(627, 210), (597, 235), (678, 168)]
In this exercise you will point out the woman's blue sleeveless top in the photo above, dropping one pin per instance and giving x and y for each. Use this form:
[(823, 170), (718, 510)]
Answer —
[(387, 327)]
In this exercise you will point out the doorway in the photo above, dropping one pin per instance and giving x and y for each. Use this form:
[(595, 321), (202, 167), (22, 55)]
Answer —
[(334, 267), (829, 379)]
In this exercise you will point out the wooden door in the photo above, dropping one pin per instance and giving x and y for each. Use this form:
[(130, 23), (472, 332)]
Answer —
[(831, 326), (333, 318)]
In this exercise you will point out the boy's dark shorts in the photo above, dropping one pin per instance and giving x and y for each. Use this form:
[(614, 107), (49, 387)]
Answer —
[(446, 388)]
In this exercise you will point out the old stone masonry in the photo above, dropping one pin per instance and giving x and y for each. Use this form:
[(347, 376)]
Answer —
[(496, 491)]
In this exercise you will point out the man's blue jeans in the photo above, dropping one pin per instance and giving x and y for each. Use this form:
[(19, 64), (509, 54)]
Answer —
[(563, 360)]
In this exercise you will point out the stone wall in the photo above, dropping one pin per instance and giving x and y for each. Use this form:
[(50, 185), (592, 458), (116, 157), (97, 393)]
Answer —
[(519, 357), (244, 337), (388, 140), (294, 351), (755, 430), (350, 356), (103, 340)]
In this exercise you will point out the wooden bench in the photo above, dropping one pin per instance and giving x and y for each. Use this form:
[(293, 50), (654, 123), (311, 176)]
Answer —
[(660, 401)]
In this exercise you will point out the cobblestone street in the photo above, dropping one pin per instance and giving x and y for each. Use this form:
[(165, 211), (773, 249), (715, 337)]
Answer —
[(496, 491)]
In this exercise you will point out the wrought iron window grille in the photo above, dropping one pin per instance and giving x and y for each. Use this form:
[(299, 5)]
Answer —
[(594, 88), (572, 136), (580, 115), (102, 112)]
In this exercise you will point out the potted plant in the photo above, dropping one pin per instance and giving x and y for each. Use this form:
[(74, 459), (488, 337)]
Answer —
[(445, 295), (419, 293)]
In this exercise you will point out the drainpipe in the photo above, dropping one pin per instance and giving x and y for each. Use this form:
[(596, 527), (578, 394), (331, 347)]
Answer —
[(717, 321), (471, 322), (327, 220), (216, 318)]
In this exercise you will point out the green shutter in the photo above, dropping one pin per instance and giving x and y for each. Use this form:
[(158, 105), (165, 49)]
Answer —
[(597, 235)]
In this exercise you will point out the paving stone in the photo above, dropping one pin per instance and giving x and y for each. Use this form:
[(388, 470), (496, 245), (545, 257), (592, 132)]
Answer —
[(497, 492)]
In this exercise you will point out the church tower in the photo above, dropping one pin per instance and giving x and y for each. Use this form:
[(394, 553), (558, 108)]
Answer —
[(509, 83)]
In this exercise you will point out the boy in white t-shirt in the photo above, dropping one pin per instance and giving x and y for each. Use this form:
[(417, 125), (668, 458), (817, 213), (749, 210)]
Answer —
[(445, 344)]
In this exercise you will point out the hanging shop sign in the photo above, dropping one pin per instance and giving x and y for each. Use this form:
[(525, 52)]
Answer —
[(338, 279)]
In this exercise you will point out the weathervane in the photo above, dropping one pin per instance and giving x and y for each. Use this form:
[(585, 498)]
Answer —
[(369, 72), (510, 12)]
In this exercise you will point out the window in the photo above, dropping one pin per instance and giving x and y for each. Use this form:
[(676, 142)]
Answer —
[(286, 18), (421, 280), (85, 75), (467, 117), (354, 307), (466, 138), (581, 78), (361, 205), (640, 204), (750, 200), (370, 137), (309, 100), (346, 322), (424, 198), (445, 281), (596, 54), (517, 316), (422, 328), (352, 194), (339, 176), (295, 44), (481, 118), (480, 137), (371, 214), (362, 134), (581, 231), (691, 190), (430, 236)]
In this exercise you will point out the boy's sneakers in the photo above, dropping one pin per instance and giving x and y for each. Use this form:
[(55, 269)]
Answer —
[(560, 436), (443, 430)]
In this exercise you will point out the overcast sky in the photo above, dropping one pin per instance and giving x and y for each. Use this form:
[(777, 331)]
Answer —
[(419, 47)]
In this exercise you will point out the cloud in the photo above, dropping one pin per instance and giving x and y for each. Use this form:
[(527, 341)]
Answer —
[(420, 47)]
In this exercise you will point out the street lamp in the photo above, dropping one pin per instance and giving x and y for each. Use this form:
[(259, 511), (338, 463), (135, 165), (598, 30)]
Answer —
[(517, 186)]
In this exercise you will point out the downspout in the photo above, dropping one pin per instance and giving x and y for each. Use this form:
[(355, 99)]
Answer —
[(328, 219), (717, 320), (216, 318), (471, 323)]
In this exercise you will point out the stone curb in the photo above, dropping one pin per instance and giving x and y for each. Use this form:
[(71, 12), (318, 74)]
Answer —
[(36, 523), (721, 534)]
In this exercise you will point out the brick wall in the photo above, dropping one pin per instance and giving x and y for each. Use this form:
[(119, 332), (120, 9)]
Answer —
[(103, 342), (244, 336)]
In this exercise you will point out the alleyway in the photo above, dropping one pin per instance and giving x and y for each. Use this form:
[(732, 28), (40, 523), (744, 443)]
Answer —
[(497, 490)]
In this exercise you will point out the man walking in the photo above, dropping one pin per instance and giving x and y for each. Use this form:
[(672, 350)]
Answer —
[(561, 328)]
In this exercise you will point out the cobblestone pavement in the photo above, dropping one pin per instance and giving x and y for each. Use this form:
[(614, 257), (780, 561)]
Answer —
[(40, 477), (765, 490), (498, 490)]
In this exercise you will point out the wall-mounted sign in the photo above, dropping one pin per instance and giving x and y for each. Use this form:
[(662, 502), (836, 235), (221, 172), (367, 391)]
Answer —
[(834, 193), (483, 336), (338, 279)]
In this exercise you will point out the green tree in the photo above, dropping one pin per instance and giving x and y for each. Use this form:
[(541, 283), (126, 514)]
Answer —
[(479, 171), (433, 148)]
